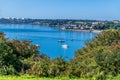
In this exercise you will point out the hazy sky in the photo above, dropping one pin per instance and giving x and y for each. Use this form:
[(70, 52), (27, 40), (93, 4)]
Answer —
[(61, 9)]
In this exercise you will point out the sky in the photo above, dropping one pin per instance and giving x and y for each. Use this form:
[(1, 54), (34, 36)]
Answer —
[(61, 9)]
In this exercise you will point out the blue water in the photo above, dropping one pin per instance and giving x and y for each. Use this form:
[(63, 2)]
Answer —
[(47, 38)]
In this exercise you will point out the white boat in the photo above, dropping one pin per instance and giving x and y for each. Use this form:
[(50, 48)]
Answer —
[(65, 46)]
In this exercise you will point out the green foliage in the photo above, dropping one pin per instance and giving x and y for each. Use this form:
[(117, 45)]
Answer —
[(23, 48), (107, 25), (48, 68), (108, 61), (102, 54), (9, 64), (100, 76), (12, 54), (39, 66), (57, 67), (7, 70)]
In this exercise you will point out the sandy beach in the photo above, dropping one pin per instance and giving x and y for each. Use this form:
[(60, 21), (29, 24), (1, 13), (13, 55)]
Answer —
[(94, 31)]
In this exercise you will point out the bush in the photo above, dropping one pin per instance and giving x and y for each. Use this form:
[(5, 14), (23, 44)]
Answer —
[(39, 67), (102, 54), (7, 70), (23, 49), (9, 63), (48, 68), (57, 67), (108, 61)]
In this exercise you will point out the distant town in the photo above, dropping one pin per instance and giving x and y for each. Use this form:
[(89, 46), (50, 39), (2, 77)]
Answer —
[(65, 24)]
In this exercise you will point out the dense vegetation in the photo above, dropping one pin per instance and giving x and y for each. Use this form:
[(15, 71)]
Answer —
[(100, 56), (99, 59), (107, 25)]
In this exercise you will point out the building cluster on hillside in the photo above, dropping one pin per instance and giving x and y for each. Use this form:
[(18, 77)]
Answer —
[(83, 26)]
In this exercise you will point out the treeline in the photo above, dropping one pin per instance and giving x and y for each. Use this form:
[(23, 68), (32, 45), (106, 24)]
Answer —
[(42, 21), (107, 25), (100, 58)]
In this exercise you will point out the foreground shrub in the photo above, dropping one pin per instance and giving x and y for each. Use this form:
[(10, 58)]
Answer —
[(8, 70), (23, 49), (108, 61), (39, 67), (48, 68), (9, 64), (100, 55), (57, 67)]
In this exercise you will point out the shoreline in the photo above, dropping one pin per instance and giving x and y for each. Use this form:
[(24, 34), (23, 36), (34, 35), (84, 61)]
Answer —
[(93, 31)]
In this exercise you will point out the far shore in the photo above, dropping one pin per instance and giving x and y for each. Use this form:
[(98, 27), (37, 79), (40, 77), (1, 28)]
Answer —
[(93, 31)]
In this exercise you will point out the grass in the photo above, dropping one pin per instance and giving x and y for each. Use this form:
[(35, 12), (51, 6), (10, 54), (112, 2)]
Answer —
[(27, 77)]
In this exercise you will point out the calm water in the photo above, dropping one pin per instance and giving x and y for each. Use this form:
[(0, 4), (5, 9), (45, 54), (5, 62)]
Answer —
[(48, 38)]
